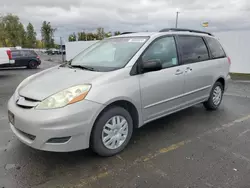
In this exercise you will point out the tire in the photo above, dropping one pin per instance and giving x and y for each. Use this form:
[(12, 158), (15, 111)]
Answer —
[(32, 65), (211, 103), (98, 134)]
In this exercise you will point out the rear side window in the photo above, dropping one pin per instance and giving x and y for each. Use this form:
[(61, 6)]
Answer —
[(32, 53), (215, 48), (193, 49), (15, 54), (24, 53), (27, 53)]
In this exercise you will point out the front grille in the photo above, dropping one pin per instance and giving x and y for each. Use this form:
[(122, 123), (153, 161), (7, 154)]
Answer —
[(31, 100), (29, 136), (25, 107), (27, 103)]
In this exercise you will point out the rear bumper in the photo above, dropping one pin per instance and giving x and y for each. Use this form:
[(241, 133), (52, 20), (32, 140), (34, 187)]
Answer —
[(36, 128), (228, 78), (11, 63)]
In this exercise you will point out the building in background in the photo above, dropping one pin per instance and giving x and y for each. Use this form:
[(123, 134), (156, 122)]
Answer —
[(237, 46), (74, 48)]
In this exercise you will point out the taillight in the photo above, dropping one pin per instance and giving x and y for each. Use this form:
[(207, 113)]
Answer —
[(229, 60), (9, 54), (38, 57)]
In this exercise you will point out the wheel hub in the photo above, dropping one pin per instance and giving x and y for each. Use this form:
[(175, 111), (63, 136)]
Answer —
[(115, 132), (217, 95)]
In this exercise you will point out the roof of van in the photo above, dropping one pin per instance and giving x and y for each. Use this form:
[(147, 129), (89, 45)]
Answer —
[(150, 34), (169, 31)]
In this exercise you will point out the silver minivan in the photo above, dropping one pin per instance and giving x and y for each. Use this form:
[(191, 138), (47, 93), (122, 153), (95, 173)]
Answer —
[(118, 84)]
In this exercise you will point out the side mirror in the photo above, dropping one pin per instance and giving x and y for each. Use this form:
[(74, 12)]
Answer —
[(151, 65)]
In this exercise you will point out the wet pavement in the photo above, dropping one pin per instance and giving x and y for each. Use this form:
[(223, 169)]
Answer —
[(191, 148)]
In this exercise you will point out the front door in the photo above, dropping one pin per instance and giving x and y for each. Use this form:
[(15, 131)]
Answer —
[(161, 90)]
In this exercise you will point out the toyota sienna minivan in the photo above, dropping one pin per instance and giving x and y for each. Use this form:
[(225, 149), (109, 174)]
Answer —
[(118, 84)]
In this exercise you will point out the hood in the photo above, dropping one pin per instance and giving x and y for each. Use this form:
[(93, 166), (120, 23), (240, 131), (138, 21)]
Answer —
[(49, 82)]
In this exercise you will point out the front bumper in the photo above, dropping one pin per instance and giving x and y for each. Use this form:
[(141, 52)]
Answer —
[(37, 127)]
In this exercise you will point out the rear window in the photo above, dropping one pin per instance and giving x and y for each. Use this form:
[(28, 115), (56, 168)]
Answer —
[(215, 48), (193, 49)]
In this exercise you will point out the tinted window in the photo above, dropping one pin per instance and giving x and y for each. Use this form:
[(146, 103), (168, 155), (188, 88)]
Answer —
[(23, 53), (15, 54), (164, 50), (193, 49), (33, 53), (27, 53), (215, 48)]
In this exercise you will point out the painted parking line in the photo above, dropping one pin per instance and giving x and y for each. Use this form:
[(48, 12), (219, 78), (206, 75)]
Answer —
[(93, 179), (236, 95), (165, 150), (183, 143), (162, 151), (244, 132)]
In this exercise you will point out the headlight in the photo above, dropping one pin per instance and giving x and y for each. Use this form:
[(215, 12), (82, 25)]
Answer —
[(65, 97)]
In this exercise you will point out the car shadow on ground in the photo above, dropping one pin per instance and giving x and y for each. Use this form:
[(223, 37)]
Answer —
[(4, 76)]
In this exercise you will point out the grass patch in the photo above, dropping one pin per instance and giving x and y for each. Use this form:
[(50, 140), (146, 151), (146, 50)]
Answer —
[(240, 76)]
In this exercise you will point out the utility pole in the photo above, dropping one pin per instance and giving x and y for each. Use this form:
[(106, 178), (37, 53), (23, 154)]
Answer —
[(177, 16), (61, 43), (86, 37)]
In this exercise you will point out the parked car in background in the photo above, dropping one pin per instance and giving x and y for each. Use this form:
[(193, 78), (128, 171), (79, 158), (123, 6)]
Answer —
[(116, 85), (62, 52), (20, 58), (5, 57), (53, 51), (43, 50)]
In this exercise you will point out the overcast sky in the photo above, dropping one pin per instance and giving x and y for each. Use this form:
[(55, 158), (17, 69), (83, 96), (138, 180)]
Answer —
[(130, 15)]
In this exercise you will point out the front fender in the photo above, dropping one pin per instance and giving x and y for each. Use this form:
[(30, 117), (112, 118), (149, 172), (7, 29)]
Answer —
[(119, 89)]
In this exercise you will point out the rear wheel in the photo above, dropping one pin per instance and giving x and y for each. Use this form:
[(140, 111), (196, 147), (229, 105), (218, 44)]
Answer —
[(112, 132), (32, 65), (215, 97)]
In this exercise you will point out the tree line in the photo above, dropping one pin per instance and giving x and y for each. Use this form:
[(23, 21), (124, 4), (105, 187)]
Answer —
[(87, 36), (13, 33)]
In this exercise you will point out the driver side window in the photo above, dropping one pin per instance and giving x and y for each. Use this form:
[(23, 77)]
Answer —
[(164, 50)]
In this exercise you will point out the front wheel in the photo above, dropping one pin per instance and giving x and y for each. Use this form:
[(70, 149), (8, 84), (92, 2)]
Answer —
[(215, 97), (112, 132)]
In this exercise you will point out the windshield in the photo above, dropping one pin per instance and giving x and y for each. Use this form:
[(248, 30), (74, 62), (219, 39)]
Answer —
[(109, 54)]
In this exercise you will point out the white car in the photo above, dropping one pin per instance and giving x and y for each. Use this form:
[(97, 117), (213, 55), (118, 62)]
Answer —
[(6, 56)]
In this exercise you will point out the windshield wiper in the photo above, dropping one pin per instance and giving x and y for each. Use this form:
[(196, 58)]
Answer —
[(82, 67)]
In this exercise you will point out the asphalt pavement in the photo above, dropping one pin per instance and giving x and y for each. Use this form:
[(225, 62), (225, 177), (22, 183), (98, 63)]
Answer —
[(191, 148)]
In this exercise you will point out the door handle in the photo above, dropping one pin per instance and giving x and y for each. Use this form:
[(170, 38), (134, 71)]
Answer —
[(178, 72)]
